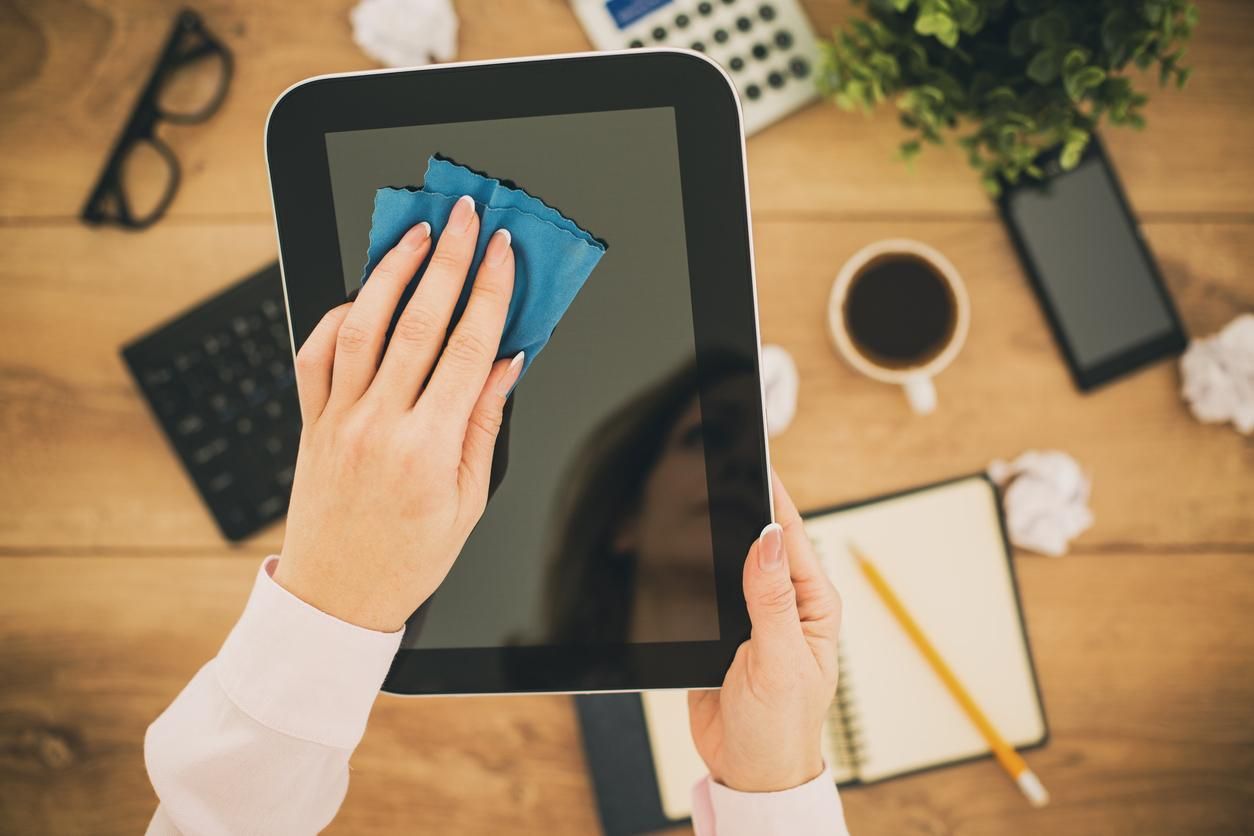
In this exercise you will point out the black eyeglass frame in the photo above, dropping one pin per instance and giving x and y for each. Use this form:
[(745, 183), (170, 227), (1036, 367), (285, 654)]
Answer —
[(189, 41)]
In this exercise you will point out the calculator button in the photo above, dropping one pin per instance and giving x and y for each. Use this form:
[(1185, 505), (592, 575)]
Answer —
[(776, 80), (698, 46), (704, 8), (800, 68), (682, 21), (783, 39), (753, 91), (659, 33), (744, 24), (766, 11), (760, 51), (721, 36), (636, 43), (736, 63)]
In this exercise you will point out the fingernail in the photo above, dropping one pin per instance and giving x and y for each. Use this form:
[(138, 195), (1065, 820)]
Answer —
[(463, 213), (771, 547), (498, 246), (416, 237), (511, 374)]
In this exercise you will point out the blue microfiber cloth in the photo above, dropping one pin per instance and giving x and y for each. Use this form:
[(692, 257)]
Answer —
[(553, 256)]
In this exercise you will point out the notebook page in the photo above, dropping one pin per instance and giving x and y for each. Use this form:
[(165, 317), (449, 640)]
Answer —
[(675, 758), (941, 550)]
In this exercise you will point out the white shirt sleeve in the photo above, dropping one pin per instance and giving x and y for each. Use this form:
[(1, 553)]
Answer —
[(259, 740)]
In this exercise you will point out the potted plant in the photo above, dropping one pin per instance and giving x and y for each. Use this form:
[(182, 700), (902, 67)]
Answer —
[(1008, 78)]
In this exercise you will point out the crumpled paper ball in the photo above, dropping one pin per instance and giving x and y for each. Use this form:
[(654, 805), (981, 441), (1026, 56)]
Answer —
[(1045, 495), (781, 382), (1218, 374), (405, 33)]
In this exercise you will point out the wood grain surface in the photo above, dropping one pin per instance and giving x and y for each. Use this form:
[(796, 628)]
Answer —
[(115, 587)]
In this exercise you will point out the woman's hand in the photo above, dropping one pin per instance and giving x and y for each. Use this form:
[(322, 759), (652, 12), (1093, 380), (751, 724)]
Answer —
[(761, 731), (396, 450)]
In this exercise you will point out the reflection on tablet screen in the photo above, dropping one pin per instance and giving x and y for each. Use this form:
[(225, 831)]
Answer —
[(600, 531)]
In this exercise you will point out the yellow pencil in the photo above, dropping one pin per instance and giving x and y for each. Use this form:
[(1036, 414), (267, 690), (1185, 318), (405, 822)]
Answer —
[(1006, 755)]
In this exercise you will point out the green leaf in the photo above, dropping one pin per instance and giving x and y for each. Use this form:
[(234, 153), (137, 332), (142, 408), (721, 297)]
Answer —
[(1050, 29), (1044, 66), (1077, 84), (1074, 59), (1073, 149)]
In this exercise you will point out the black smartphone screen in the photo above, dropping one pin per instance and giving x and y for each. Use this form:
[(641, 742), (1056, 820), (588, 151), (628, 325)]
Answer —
[(1095, 275)]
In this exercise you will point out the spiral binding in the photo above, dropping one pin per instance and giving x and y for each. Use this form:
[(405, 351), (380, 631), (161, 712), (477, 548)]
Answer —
[(846, 734)]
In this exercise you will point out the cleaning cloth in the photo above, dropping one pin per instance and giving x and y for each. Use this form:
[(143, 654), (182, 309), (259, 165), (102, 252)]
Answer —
[(553, 256)]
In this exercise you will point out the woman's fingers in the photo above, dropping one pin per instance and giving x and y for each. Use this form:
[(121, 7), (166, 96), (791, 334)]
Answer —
[(314, 362), (360, 338), (485, 425), (471, 349), (817, 599), (423, 325)]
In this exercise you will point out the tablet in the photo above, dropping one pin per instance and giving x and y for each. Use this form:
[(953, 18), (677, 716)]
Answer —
[(633, 472)]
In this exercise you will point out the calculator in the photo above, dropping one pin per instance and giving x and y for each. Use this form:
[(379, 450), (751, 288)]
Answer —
[(766, 46)]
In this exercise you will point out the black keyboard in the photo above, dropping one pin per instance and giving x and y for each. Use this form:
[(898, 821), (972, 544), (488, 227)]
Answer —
[(220, 380)]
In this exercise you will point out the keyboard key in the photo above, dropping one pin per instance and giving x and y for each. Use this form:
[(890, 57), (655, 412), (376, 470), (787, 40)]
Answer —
[(783, 39), (208, 452), (760, 51), (269, 507), (221, 482), (753, 91), (776, 80), (158, 376), (189, 424)]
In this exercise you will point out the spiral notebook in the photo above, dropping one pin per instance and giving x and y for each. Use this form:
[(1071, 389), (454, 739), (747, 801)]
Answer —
[(943, 550)]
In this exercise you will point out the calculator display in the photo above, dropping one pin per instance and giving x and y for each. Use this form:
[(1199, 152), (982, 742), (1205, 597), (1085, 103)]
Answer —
[(627, 12)]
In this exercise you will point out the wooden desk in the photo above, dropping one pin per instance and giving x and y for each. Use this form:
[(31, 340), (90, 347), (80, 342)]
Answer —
[(115, 588)]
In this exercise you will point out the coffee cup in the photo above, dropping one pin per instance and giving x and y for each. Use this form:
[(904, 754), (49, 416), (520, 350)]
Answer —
[(899, 313)]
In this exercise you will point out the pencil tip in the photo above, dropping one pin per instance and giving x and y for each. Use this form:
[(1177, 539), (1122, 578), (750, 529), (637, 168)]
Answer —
[(1033, 788)]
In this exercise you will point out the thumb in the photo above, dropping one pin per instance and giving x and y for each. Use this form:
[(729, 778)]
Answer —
[(771, 598)]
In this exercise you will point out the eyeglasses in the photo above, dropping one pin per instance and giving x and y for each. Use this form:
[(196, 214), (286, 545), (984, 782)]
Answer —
[(186, 87)]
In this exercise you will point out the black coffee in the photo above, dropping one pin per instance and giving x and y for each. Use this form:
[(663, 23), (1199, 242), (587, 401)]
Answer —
[(900, 311)]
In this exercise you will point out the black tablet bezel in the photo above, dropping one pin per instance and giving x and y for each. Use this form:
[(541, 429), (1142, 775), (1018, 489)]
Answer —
[(1132, 357), (716, 218)]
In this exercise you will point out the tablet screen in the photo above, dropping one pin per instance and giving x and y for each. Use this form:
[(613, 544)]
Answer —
[(601, 529)]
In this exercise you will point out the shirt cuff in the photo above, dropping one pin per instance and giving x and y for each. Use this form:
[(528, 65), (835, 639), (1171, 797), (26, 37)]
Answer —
[(811, 808), (302, 672)]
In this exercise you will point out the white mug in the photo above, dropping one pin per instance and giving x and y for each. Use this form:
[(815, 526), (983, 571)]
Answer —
[(916, 380)]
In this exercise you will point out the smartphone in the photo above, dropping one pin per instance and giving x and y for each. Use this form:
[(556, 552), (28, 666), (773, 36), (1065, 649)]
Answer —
[(1091, 269)]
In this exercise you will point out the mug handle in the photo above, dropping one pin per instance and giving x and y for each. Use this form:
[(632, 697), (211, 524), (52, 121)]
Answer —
[(921, 393)]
